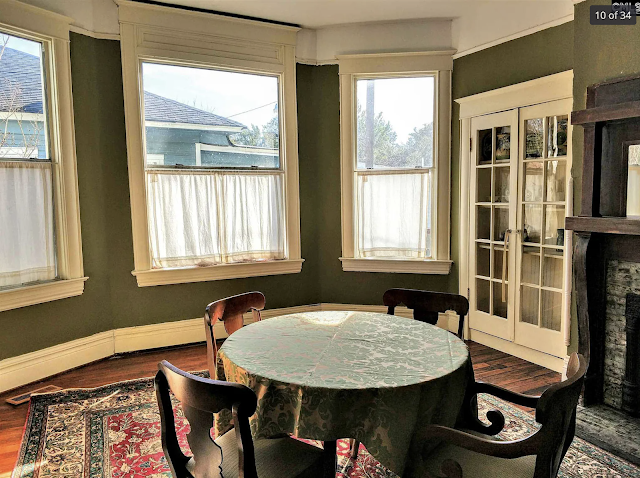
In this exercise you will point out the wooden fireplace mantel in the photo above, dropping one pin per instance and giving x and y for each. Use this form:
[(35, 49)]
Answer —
[(619, 111), (611, 121), (604, 225)]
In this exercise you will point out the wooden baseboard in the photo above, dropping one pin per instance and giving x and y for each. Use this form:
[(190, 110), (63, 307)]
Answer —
[(539, 358), (34, 366), (31, 367)]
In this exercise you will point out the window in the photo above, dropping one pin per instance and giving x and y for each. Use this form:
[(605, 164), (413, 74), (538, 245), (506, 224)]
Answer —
[(395, 162), (211, 127), (40, 251)]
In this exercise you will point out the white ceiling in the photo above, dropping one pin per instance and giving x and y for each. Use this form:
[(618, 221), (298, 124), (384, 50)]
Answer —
[(472, 24), (322, 13), (475, 22)]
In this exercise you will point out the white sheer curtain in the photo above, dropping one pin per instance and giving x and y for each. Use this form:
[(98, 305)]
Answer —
[(27, 247), (394, 215), (208, 218)]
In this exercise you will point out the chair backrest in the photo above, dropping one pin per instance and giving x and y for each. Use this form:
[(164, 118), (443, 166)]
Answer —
[(229, 311), (200, 399), (556, 411), (427, 305)]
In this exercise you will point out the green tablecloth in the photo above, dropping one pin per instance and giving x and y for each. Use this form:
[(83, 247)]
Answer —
[(331, 375)]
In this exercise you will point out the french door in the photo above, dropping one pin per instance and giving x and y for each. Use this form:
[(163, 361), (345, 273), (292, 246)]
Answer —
[(518, 258)]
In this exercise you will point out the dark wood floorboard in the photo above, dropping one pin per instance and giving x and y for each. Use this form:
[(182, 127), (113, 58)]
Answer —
[(489, 365)]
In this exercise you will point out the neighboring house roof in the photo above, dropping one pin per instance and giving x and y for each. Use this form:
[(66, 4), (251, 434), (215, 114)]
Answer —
[(161, 109), (20, 70)]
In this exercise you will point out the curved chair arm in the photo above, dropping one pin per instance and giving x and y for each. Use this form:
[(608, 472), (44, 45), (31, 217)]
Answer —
[(514, 397), (502, 449)]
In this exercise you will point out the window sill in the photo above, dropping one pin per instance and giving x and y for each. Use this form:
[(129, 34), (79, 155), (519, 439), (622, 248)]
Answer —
[(40, 293), (220, 272), (409, 266)]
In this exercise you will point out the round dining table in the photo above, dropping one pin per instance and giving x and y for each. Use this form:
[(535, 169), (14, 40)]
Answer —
[(329, 375)]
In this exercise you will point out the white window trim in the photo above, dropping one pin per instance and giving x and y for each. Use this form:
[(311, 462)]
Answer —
[(152, 32), (440, 64), (52, 30)]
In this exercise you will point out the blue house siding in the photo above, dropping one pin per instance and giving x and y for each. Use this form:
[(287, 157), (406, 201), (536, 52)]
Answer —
[(21, 134), (179, 147), (214, 158)]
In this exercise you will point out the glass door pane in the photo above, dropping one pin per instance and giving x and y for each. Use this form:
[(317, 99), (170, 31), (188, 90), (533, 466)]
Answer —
[(493, 199)]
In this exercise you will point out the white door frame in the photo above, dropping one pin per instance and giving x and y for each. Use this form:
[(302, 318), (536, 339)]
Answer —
[(541, 90)]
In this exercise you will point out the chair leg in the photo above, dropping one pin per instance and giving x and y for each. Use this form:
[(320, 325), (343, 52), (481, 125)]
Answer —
[(329, 459), (354, 446)]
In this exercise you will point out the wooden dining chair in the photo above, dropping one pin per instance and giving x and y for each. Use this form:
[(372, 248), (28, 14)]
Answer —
[(233, 454), (230, 312), (539, 455), (426, 305)]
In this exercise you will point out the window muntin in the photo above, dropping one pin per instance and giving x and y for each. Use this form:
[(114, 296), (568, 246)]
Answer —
[(210, 118), (215, 186), (395, 137), (27, 242)]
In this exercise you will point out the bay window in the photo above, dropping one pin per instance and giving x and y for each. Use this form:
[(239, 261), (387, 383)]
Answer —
[(40, 247), (212, 145), (395, 162)]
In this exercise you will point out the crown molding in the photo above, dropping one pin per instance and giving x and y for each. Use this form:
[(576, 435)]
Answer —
[(92, 34), (515, 36)]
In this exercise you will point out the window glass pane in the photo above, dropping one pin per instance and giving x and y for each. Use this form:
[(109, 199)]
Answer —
[(501, 185), (204, 219), (483, 295), (533, 178), (534, 138), (551, 310), (27, 244), (483, 260), (529, 305), (503, 143), (23, 123), (485, 146), (483, 184), (556, 180), (554, 225), (557, 135), (394, 218), (395, 122), (531, 265), (500, 296), (210, 118)]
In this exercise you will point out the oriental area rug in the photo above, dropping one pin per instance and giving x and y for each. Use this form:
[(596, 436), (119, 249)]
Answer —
[(114, 432)]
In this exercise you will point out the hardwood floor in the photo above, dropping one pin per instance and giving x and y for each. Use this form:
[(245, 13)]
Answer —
[(489, 365)]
